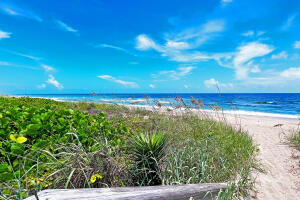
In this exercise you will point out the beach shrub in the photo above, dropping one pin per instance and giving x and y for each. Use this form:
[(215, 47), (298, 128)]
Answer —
[(147, 151), (31, 129), (47, 144)]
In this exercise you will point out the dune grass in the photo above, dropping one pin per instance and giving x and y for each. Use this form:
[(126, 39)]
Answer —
[(294, 138), (79, 145)]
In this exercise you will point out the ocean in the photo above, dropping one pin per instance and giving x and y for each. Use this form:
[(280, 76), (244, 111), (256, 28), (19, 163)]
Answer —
[(265, 104)]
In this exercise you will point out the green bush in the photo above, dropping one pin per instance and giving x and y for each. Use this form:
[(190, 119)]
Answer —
[(43, 124), (147, 151), (48, 144)]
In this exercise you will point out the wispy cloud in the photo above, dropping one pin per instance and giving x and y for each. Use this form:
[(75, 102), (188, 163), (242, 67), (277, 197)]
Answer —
[(197, 35), (297, 45), (212, 83), (289, 22), (280, 55), (144, 42), (246, 53), (113, 79), (47, 68), (9, 64), (66, 27), (176, 42), (152, 86), (179, 45), (9, 8), (3, 63), (27, 56), (255, 69), (52, 81), (114, 47), (4, 35), (174, 74), (271, 78), (291, 73), (42, 86), (20, 54), (225, 2), (248, 33)]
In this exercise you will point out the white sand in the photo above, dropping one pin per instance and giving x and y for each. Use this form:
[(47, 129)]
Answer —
[(281, 162)]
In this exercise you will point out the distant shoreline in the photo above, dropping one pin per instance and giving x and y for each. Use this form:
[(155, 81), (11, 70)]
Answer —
[(149, 107)]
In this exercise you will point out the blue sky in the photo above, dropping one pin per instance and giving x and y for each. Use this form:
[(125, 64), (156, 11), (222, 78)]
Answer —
[(141, 46)]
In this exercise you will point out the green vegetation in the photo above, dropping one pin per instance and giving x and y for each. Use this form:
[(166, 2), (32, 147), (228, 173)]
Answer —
[(48, 144), (294, 139)]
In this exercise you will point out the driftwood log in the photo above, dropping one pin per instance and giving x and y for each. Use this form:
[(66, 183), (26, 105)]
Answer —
[(172, 192)]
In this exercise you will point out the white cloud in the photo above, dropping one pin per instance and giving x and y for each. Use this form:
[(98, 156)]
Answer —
[(245, 54), (51, 80), (289, 22), (259, 33), (297, 45), (291, 73), (212, 83), (143, 42), (113, 47), (195, 36), (253, 33), (174, 74), (28, 56), (175, 42), (9, 8), (152, 86), (134, 63), (280, 55), (255, 69), (177, 45), (8, 64), (47, 68), (21, 54), (4, 34), (226, 1), (3, 63), (249, 33), (213, 26), (66, 27), (113, 79), (41, 86)]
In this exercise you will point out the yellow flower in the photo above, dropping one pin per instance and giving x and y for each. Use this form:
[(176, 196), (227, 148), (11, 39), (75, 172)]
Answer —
[(19, 140), (94, 178)]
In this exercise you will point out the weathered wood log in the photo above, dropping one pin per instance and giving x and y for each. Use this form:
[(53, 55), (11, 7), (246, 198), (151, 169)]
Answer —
[(173, 192)]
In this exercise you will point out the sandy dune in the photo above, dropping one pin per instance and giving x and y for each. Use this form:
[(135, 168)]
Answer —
[(281, 163)]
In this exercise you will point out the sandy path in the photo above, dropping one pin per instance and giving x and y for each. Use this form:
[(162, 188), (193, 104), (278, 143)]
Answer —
[(282, 177)]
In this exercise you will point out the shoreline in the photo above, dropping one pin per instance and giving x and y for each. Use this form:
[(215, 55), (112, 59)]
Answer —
[(149, 107)]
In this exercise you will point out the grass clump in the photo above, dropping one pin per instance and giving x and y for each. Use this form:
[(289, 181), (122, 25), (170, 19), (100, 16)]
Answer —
[(82, 145), (147, 151), (294, 139)]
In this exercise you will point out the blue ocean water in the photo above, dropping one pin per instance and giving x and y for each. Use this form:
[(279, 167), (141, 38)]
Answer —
[(279, 103)]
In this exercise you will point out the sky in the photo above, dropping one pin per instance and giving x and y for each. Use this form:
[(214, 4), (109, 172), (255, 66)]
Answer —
[(142, 46)]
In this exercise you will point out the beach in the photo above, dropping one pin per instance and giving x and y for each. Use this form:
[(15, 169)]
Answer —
[(281, 179)]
